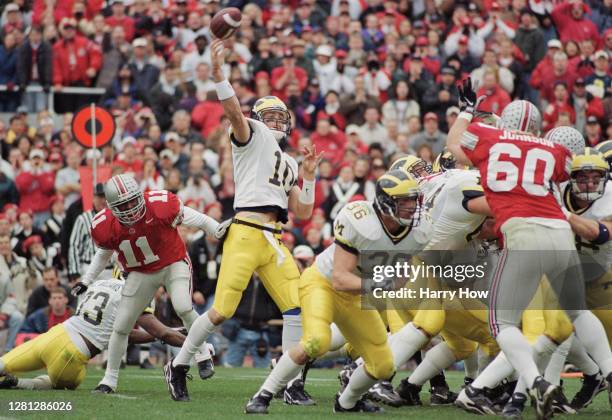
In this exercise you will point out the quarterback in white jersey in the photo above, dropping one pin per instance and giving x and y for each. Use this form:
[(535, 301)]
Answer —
[(267, 188), (66, 348)]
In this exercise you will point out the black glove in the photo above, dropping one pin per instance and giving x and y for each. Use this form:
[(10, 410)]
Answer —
[(78, 289), (467, 96)]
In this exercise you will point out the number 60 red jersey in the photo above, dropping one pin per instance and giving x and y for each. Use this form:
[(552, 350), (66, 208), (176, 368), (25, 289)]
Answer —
[(517, 172), (150, 244)]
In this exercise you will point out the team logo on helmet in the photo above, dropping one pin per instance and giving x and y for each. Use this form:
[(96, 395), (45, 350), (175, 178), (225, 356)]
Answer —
[(413, 165), (445, 161), (589, 161), (568, 137), (521, 116), (125, 199), (605, 148), (392, 189), (280, 126)]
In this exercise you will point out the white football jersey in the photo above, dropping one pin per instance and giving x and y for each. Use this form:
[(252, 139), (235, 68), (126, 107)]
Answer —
[(357, 229), (600, 209), (264, 175), (96, 312), (454, 225)]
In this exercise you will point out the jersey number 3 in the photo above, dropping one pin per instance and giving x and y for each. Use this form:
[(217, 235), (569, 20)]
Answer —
[(503, 176), (128, 252)]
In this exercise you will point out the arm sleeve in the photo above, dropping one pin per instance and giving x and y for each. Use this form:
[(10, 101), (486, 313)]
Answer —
[(475, 141), (194, 218), (99, 262)]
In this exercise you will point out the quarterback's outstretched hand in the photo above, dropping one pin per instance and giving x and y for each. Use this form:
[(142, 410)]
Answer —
[(468, 101), (221, 230), (311, 162), (78, 289)]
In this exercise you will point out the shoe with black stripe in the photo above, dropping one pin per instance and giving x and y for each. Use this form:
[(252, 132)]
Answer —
[(474, 400), (542, 393), (362, 406), (176, 380), (592, 385), (259, 403), (383, 392), (515, 406)]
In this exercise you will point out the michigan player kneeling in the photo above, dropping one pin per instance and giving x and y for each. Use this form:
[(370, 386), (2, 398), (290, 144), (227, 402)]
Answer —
[(65, 349)]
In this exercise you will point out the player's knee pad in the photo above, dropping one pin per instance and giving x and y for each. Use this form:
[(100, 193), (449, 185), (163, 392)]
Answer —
[(379, 364), (317, 344), (558, 326), (431, 321)]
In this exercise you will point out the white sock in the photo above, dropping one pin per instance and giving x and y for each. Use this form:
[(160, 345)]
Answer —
[(406, 342), (543, 350), (521, 386), (436, 359), (198, 334), (484, 360), (292, 331), (40, 383), (555, 366), (493, 374), (470, 365), (334, 354), (116, 350), (203, 353), (579, 357), (337, 339), (359, 383), (1, 367), (518, 352), (593, 337), (284, 370)]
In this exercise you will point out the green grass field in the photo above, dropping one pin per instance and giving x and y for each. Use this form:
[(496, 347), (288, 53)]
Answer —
[(143, 396)]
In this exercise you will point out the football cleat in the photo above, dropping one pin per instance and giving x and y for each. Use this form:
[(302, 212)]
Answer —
[(176, 380), (362, 406), (515, 407), (409, 392), (467, 381), (501, 394), (383, 392), (609, 379), (442, 396), (591, 386), (206, 369), (560, 404), (103, 389), (345, 375), (474, 400), (297, 395), (542, 393), (8, 381), (259, 403)]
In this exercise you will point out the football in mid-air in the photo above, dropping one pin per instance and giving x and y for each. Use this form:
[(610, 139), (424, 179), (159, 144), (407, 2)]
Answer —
[(225, 22)]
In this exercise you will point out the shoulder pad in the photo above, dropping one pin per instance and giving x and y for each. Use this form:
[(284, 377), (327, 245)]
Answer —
[(360, 221)]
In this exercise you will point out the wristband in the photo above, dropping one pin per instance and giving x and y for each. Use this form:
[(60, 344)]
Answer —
[(466, 115), (224, 90), (307, 194), (604, 235)]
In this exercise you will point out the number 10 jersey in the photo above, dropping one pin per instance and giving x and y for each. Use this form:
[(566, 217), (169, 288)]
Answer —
[(264, 175)]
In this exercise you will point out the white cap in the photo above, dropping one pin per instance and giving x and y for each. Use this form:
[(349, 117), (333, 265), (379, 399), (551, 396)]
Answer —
[(93, 154), (452, 110), (11, 7), (601, 54), (554, 43), (352, 129), (324, 50), (139, 42), (37, 153), (303, 252)]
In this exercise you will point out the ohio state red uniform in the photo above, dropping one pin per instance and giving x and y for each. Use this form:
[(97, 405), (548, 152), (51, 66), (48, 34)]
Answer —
[(517, 171), (150, 244)]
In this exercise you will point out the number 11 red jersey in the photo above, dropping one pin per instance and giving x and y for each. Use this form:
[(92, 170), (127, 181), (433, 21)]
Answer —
[(150, 244), (517, 172)]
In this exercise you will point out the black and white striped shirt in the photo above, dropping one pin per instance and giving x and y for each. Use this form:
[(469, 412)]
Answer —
[(82, 248)]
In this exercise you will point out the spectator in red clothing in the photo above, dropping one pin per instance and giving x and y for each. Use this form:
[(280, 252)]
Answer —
[(560, 105), (583, 62), (119, 18), (571, 23), (36, 187), (496, 97), (560, 73), (282, 76), (545, 66), (332, 110), (207, 114), (76, 61), (585, 103), (593, 132), (329, 139), (128, 159)]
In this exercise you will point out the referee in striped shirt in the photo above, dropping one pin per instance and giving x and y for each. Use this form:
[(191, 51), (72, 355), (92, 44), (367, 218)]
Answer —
[(81, 247)]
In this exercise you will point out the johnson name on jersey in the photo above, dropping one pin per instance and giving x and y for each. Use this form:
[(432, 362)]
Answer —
[(264, 175), (95, 314), (150, 244), (358, 228)]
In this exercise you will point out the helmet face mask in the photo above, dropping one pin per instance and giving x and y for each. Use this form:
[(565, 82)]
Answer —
[(589, 175), (274, 114), (125, 199), (398, 196)]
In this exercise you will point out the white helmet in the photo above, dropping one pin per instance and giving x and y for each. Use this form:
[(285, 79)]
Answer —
[(521, 116), (569, 137), (125, 198)]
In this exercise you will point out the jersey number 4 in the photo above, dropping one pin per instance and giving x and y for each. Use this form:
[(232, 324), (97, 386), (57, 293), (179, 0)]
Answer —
[(503, 176), (130, 257)]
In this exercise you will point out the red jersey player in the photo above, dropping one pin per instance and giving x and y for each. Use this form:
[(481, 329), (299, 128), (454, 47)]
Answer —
[(142, 229), (518, 173)]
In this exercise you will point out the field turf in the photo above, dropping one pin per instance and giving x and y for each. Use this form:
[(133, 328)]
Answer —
[(143, 396)]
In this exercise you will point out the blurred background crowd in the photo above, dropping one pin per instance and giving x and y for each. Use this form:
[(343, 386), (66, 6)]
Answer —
[(364, 80)]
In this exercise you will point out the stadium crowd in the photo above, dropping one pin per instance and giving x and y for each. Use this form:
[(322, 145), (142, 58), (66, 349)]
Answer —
[(364, 80)]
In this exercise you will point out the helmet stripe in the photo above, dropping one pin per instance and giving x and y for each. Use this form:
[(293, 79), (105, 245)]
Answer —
[(119, 184), (525, 112)]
